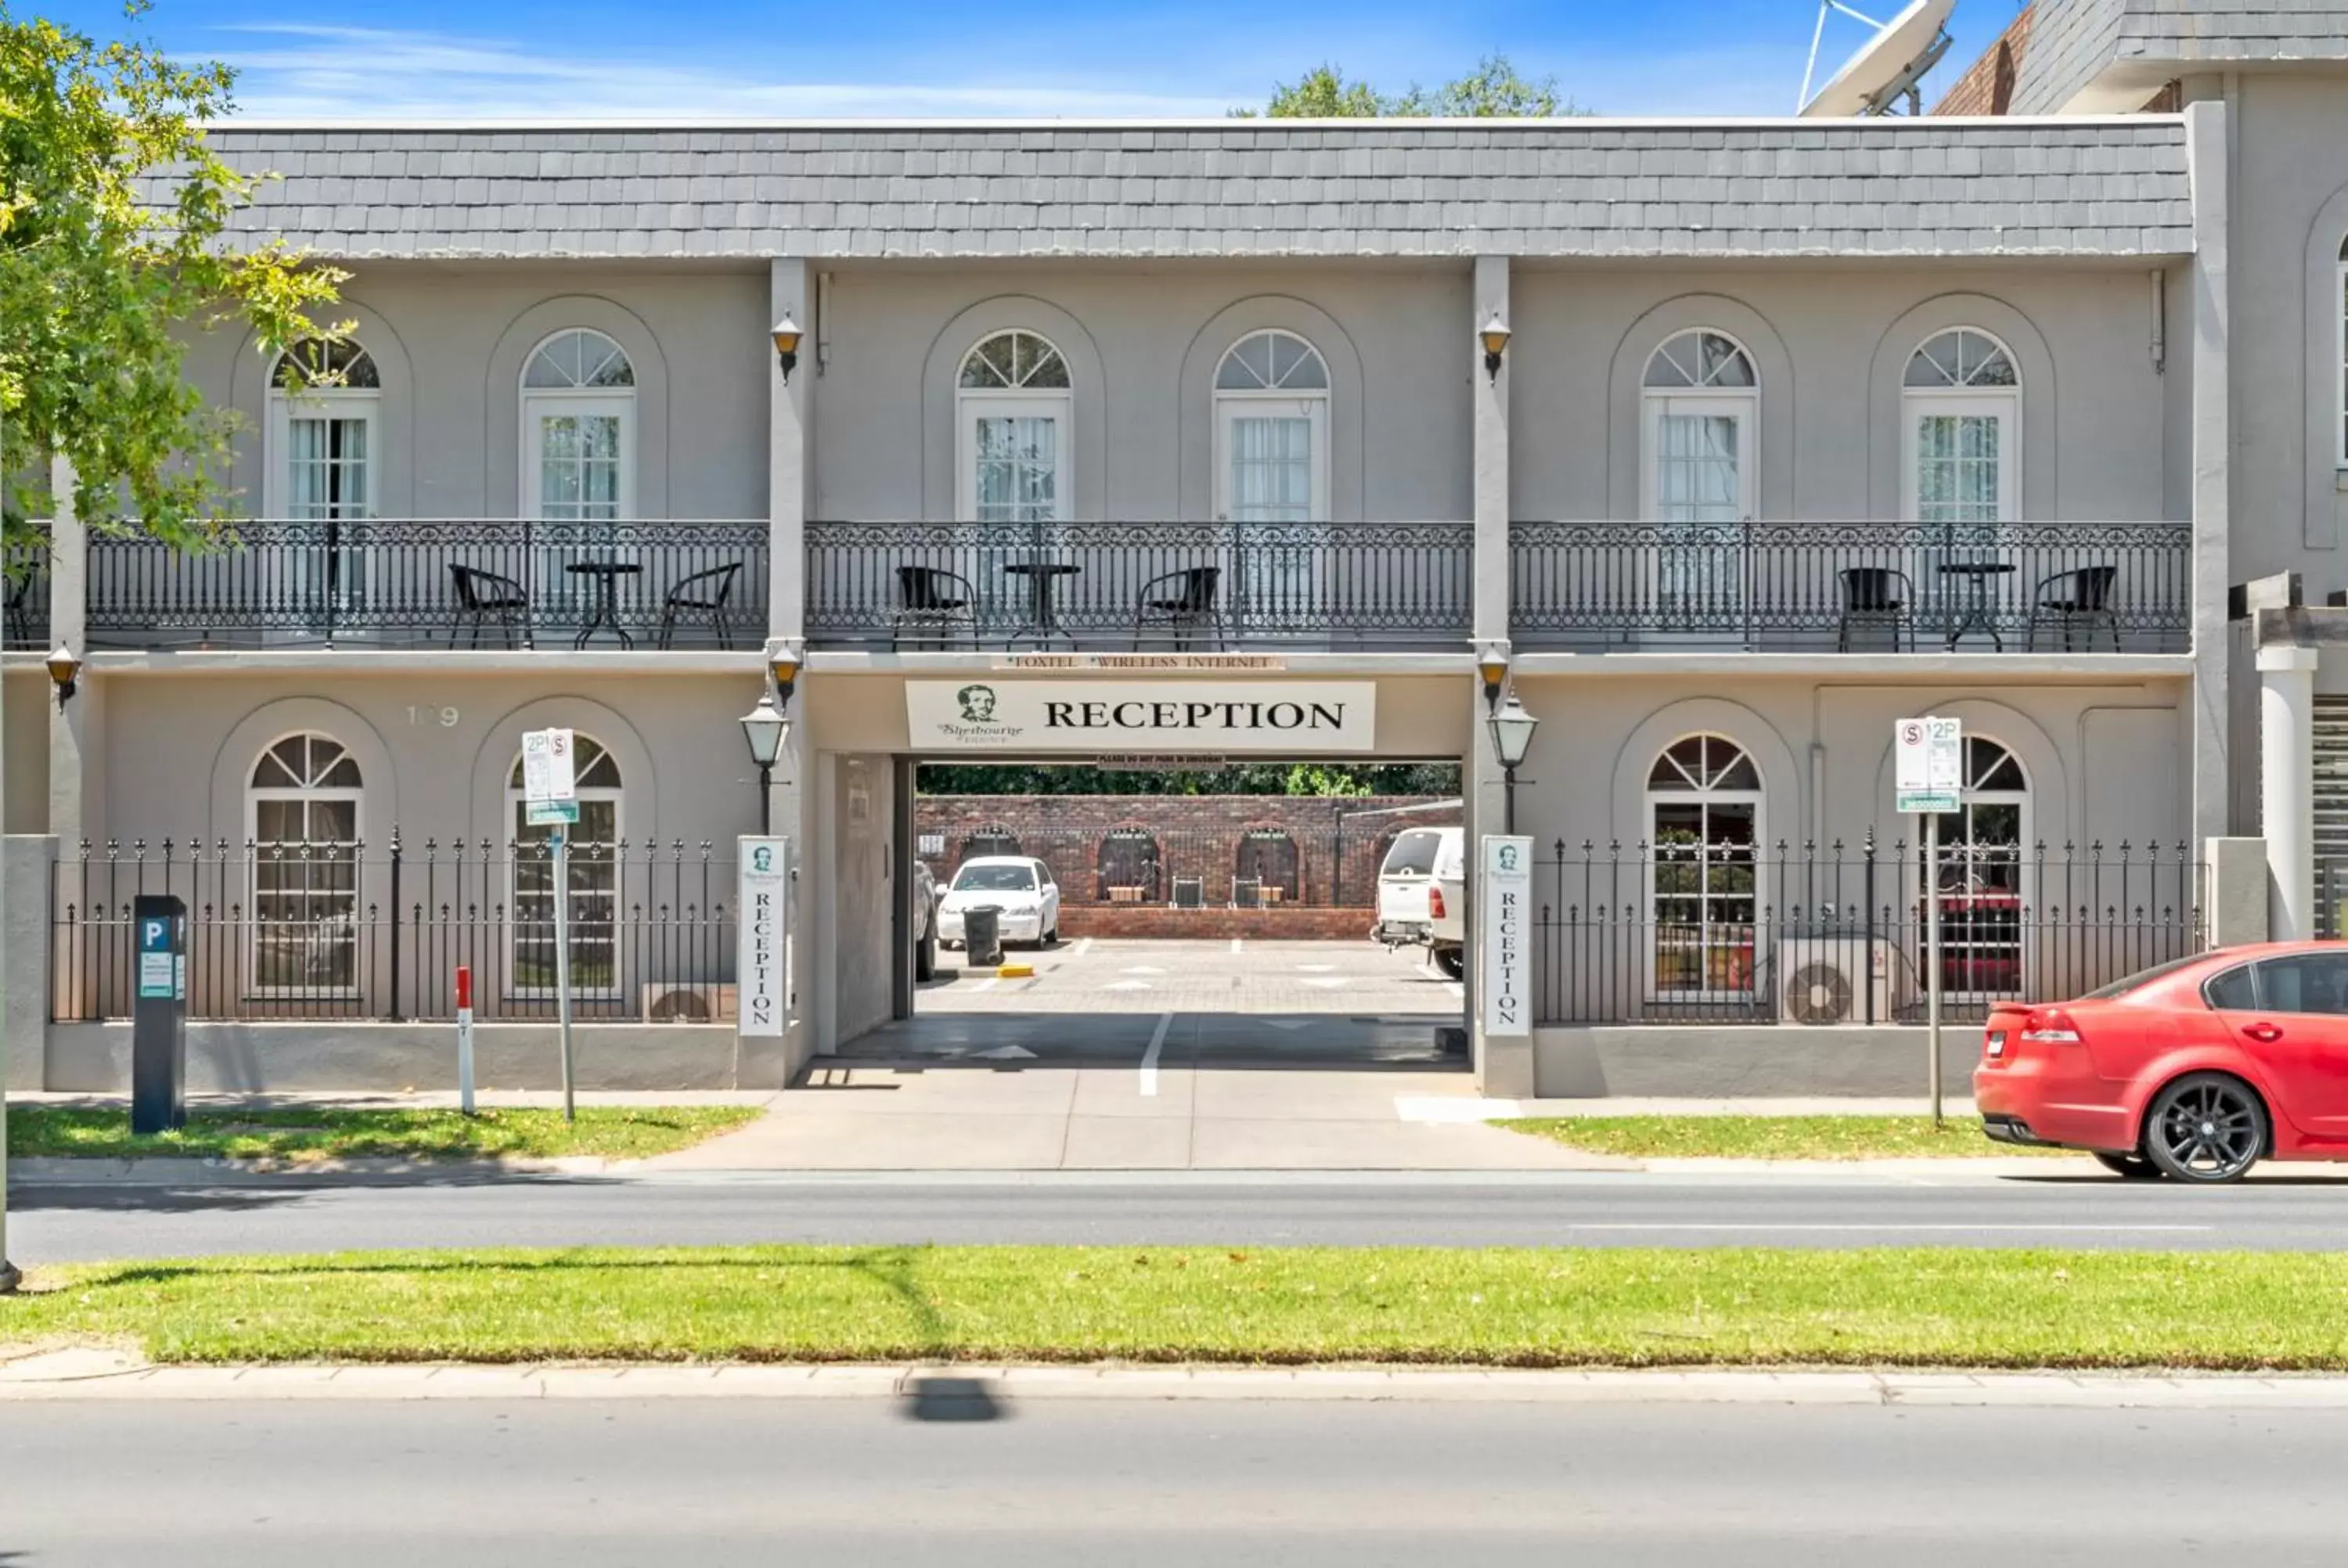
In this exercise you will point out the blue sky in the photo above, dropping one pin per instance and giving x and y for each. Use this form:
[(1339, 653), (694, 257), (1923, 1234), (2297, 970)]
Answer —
[(602, 58)]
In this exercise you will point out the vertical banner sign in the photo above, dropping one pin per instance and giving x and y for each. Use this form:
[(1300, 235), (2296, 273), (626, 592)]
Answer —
[(1928, 757), (762, 961), (1506, 905), (549, 797)]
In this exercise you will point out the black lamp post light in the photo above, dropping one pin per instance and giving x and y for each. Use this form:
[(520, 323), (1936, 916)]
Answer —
[(766, 729)]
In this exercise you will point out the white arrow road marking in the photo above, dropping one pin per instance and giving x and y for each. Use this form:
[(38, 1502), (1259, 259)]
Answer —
[(1149, 1057), (1324, 983), (1127, 986), (1141, 969), (1009, 1053), (1083, 945)]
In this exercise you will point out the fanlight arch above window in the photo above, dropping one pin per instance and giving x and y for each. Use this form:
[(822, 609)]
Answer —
[(1700, 360), (1961, 358), (307, 761), (1701, 764), (1272, 360), (1013, 361), (578, 359), (325, 364), (592, 766)]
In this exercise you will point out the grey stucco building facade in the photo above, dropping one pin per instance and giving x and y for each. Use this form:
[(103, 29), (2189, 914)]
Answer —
[(1795, 429)]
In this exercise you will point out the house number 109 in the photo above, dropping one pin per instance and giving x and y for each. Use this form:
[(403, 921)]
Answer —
[(444, 717)]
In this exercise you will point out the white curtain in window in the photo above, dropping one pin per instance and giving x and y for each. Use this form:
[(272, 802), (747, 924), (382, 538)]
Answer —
[(1018, 468), (1696, 469), (579, 468), (1957, 468), (326, 468), (1271, 469)]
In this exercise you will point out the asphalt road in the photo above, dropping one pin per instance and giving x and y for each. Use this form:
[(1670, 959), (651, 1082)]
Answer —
[(55, 1224), (582, 1484)]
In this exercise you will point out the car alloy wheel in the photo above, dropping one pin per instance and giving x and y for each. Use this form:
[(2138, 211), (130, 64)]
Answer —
[(2206, 1127)]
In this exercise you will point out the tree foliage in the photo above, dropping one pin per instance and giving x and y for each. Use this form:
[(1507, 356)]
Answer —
[(1321, 780), (113, 241), (1492, 91)]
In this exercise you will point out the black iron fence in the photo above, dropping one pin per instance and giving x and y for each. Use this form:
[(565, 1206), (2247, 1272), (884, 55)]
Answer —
[(447, 583), (1144, 587), (24, 579), (1327, 867), (347, 931), (1819, 934), (1863, 587)]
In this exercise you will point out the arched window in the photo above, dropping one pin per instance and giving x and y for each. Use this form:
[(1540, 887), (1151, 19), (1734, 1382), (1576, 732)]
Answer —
[(1981, 872), (593, 873), (579, 429), (1127, 865), (1701, 474), (1266, 870), (1960, 425), (302, 814), (1703, 808), (993, 839), (1012, 432), (323, 397), (1271, 431)]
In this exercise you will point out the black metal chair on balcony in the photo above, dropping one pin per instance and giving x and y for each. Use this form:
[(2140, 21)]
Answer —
[(20, 611), (704, 593), (930, 599), (481, 595), (1182, 602), (1876, 596), (2082, 597)]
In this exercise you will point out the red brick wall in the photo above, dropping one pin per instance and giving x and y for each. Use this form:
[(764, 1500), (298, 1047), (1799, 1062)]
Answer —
[(1987, 85), (1199, 837), (1218, 924)]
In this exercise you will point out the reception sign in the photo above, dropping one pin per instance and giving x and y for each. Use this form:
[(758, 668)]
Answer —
[(762, 966), (1159, 718), (1505, 901)]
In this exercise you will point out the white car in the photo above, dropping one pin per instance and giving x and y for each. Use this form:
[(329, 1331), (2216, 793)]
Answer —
[(1423, 896), (1020, 886)]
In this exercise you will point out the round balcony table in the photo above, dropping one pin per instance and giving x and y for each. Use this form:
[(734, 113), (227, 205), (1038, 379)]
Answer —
[(606, 575), (1980, 609), (1043, 609)]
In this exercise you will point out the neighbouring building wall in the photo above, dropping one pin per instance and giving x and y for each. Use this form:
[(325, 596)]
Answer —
[(1831, 345), (863, 918), (1987, 87), (450, 339), (1142, 342)]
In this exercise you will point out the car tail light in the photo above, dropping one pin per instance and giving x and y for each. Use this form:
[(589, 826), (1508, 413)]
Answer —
[(2051, 1027), (1435, 902)]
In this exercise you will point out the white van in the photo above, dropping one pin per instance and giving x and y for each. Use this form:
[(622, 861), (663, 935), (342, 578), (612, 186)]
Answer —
[(1423, 896)]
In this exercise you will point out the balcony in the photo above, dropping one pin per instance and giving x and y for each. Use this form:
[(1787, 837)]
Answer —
[(1853, 588), (1140, 587), (438, 584)]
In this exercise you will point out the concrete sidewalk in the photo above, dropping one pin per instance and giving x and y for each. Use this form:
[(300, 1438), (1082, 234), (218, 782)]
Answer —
[(84, 1374)]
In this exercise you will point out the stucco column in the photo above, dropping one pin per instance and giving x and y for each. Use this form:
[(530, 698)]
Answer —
[(2205, 160), (2287, 787), (790, 450), (1492, 477), (76, 731)]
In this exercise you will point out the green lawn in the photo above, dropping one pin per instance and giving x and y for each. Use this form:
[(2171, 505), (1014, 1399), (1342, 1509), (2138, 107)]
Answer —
[(1831, 1137), (1952, 1308), (323, 1133)]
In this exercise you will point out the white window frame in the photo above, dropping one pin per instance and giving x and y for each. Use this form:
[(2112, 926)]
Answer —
[(1918, 404), (1308, 403), (253, 796), (516, 800), (539, 402), (365, 406), (1743, 405), (1759, 799), (2340, 362)]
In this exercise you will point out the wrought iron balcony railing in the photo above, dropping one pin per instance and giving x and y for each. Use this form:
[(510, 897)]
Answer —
[(1875, 588), (503, 582), (25, 618), (1150, 587)]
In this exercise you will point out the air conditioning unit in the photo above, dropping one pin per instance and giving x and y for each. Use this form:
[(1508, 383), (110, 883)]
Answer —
[(699, 1002), (1830, 979)]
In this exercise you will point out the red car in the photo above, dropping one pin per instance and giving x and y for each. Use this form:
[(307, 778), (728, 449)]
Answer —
[(2196, 1069)]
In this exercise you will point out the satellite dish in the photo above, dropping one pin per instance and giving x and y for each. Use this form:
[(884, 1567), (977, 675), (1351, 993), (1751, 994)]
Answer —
[(1886, 67)]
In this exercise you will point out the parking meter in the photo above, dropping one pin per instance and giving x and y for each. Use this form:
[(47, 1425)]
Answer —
[(159, 1017)]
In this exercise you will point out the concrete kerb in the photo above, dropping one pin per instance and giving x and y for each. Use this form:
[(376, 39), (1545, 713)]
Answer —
[(86, 1374)]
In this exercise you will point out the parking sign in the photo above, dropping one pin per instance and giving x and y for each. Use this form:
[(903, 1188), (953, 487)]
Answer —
[(1928, 763), (549, 794)]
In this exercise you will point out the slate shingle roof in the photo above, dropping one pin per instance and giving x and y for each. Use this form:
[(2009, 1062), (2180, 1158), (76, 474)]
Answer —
[(2073, 41), (1236, 188)]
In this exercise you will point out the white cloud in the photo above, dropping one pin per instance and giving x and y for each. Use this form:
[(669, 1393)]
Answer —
[(319, 72)]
